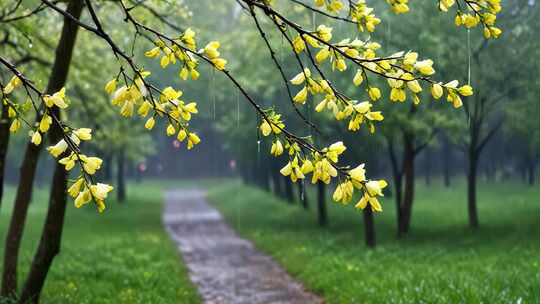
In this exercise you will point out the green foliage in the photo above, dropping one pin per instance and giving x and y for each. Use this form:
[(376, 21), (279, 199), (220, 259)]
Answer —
[(440, 262)]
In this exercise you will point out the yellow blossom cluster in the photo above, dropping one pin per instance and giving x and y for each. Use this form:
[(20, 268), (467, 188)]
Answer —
[(469, 13), (322, 165), (176, 111), (67, 150), (333, 6), (341, 108)]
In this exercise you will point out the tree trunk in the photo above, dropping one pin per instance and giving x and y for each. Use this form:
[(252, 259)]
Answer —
[(369, 227), (302, 195), (288, 190), (121, 177), (408, 195), (471, 187), (447, 155), (531, 176), (49, 245), (321, 204), (276, 179), (398, 184), (18, 219), (4, 142), (107, 168)]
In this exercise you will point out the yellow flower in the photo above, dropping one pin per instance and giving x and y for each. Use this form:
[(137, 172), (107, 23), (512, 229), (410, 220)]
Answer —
[(307, 166), (210, 50), (144, 108), (301, 77), (466, 90), (100, 191), (110, 87), (358, 174), (293, 170), (301, 96), (298, 44), (265, 128), (127, 108), (373, 202), (376, 116), (335, 6), (45, 123), (36, 138), (15, 125), (374, 93), (58, 149), (358, 78), (68, 162), (414, 86), (57, 99), (153, 53), (425, 67), (322, 55), (277, 148), (170, 130), (169, 94), (374, 187), (344, 192), (91, 164), (437, 90), (219, 63), (149, 124), (83, 198), (13, 83), (181, 135), (324, 32), (193, 139), (75, 189), (83, 133)]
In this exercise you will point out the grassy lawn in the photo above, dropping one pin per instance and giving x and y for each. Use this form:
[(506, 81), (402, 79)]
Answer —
[(440, 262), (120, 256)]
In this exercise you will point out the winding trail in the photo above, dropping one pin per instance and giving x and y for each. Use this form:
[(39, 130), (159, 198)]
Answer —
[(226, 268)]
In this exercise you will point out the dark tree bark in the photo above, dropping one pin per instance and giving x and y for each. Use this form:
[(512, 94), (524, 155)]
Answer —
[(276, 179), (18, 219), (302, 194), (408, 173), (531, 175), (107, 168), (49, 245), (447, 160), (4, 142), (369, 227), (121, 177), (321, 204), (289, 196), (471, 187), (397, 174)]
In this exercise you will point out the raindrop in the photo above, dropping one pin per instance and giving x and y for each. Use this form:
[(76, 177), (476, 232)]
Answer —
[(30, 45), (469, 67), (469, 56), (212, 90), (238, 108)]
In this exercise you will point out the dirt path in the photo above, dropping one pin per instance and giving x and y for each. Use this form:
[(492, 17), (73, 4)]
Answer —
[(226, 268)]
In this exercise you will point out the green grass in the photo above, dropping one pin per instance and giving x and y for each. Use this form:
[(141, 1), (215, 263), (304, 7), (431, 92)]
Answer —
[(120, 256), (442, 261)]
